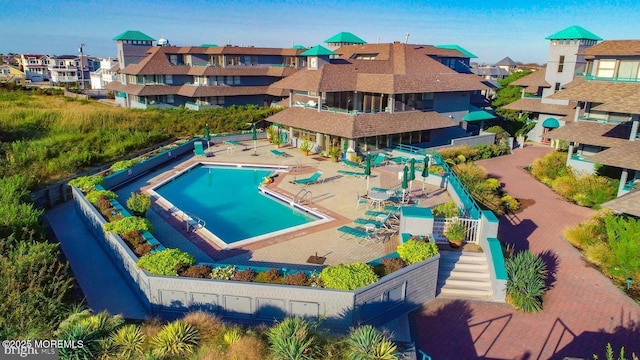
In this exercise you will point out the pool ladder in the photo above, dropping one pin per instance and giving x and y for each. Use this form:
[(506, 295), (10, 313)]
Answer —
[(192, 221), (304, 193)]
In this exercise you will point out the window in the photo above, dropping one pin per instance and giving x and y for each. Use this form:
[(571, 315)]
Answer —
[(561, 63), (229, 80), (170, 99), (628, 70), (606, 68), (173, 59), (168, 79), (236, 80), (364, 56), (557, 87)]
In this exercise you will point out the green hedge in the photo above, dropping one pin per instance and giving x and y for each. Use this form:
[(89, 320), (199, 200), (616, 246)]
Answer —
[(348, 276), (166, 262)]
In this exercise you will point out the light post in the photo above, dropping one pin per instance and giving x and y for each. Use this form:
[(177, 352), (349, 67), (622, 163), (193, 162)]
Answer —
[(81, 50)]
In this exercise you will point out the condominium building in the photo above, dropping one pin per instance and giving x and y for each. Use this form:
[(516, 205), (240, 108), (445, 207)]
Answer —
[(371, 96), (607, 111), (198, 77)]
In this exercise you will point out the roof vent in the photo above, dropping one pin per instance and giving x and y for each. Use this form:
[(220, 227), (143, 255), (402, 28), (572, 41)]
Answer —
[(163, 42)]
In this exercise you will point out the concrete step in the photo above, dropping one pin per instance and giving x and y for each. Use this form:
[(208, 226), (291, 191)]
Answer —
[(470, 275), (465, 293), (458, 282)]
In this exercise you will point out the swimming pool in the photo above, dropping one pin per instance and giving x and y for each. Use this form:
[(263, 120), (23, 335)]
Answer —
[(228, 198)]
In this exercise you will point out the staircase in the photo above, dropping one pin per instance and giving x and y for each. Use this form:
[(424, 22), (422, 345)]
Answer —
[(464, 275)]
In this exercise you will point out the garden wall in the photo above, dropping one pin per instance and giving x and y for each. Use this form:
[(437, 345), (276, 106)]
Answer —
[(170, 297), (116, 179)]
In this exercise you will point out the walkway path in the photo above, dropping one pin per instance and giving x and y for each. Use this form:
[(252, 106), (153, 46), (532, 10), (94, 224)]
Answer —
[(582, 310)]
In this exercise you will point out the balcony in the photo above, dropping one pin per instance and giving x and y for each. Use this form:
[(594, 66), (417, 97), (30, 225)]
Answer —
[(199, 106), (611, 79), (631, 185)]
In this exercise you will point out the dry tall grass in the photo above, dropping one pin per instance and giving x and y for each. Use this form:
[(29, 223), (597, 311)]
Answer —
[(248, 347)]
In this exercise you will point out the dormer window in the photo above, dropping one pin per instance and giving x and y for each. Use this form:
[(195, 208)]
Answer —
[(364, 56)]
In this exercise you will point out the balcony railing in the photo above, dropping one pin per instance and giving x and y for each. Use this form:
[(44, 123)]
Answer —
[(611, 79), (600, 120)]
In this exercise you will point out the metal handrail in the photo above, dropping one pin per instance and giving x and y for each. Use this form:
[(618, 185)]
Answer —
[(304, 193), (199, 221)]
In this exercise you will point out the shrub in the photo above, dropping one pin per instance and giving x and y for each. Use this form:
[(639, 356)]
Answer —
[(272, 275), (366, 342), (143, 249), (177, 339), (392, 265), (128, 341), (96, 195), (87, 183), (128, 224), (594, 190), (600, 254), (527, 281), (232, 336), (622, 236), (565, 186), (550, 167), (347, 277), (139, 202), (314, 280), (446, 210), (244, 275), (166, 262), (492, 183), (413, 251), (299, 279), (208, 325), (582, 235), (510, 203), (247, 348), (121, 165), (197, 271), (92, 330), (436, 169), (293, 339), (223, 273)]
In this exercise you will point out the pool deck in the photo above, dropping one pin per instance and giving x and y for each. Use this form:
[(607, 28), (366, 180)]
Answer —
[(105, 289), (334, 197)]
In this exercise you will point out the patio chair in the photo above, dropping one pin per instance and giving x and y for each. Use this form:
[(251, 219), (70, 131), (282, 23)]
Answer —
[(278, 153), (363, 222), (352, 173), (315, 178), (361, 236), (351, 164), (360, 200), (398, 160)]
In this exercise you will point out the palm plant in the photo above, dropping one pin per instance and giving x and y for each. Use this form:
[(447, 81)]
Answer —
[(367, 343), (293, 339), (177, 339), (527, 281)]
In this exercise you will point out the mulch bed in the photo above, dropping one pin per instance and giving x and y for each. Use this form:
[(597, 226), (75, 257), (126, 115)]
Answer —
[(319, 158)]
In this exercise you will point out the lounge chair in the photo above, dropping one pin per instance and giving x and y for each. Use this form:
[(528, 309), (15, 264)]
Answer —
[(351, 164), (278, 153), (399, 160), (315, 178), (234, 143), (363, 222), (198, 149), (379, 160), (351, 173), (361, 236)]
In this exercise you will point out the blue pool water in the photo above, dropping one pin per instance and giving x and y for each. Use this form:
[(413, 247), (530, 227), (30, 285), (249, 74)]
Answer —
[(229, 201)]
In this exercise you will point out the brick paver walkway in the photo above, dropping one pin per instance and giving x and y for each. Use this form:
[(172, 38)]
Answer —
[(582, 310)]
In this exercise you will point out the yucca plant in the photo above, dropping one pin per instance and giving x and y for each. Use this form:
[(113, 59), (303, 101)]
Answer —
[(128, 341), (175, 339), (91, 343), (232, 336), (293, 339), (367, 343), (527, 281)]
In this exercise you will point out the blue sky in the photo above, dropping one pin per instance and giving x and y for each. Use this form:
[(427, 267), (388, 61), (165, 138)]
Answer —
[(489, 29)]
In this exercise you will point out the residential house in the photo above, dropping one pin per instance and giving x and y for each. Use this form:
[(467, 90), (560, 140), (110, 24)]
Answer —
[(564, 62), (198, 76), (10, 73), (105, 74), (605, 122), (372, 96), (35, 67), (507, 64)]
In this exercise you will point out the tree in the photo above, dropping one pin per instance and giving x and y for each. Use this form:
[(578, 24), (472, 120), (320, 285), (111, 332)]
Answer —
[(507, 93)]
